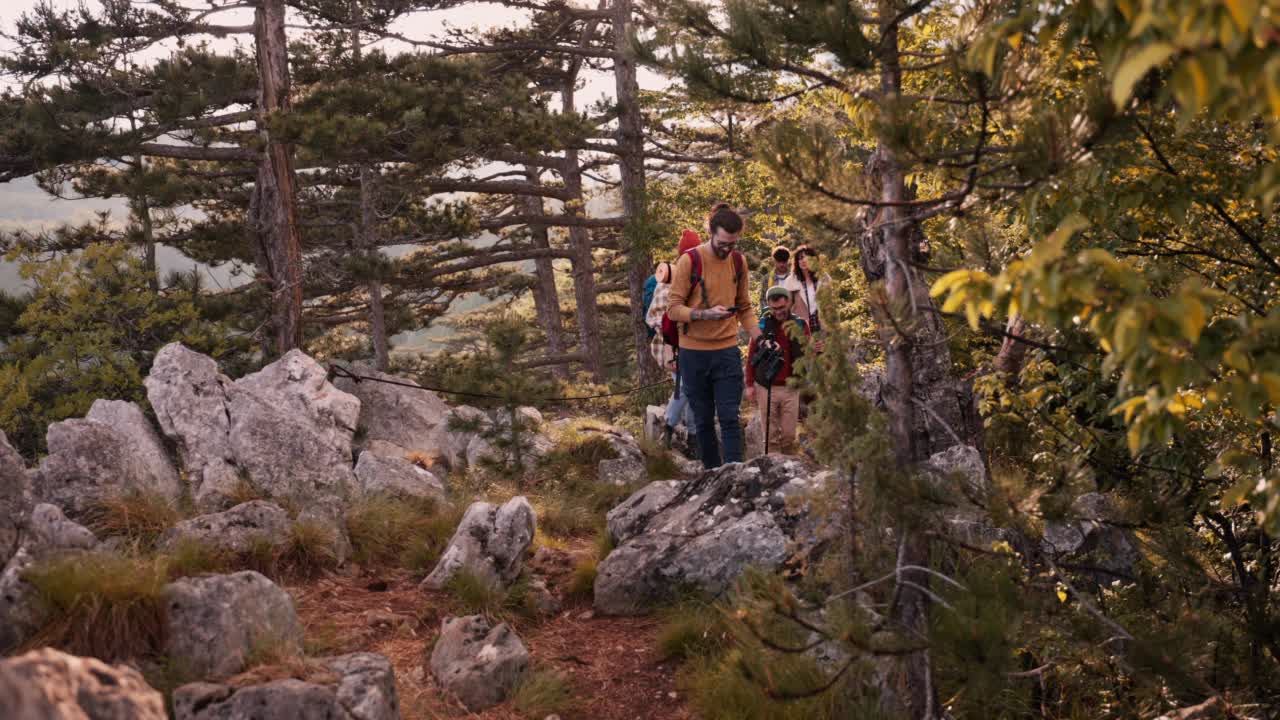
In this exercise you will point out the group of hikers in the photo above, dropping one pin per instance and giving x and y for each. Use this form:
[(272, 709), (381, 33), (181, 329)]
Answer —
[(694, 309)]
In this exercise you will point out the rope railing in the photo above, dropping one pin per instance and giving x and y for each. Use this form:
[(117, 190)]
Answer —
[(339, 371)]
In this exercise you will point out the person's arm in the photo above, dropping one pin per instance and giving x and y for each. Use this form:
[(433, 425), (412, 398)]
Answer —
[(751, 368), (746, 310)]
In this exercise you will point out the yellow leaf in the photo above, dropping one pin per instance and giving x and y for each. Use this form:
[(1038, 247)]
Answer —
[(1176, 407), (1192, 319), (1015, 41), (952, 279), (1135, 67), (971, 312), (1271, 381), (1062, 594), (1128, 406), (1134, 439), (1242, 11)]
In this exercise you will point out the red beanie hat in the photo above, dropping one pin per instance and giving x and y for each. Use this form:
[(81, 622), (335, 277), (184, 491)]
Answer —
[(688, 240)]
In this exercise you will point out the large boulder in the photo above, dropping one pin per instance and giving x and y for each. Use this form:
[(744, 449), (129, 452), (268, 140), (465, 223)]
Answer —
[(629, 466), (490, 543), (455, 442), (410, 417), (189, 397), (15, 498), (359, 686), (93, 459), (129, 420), (291, 430), (215, 623), (47, 533), (708, 531), (394, 475), (55, 685), (235, 531), (478, 663)]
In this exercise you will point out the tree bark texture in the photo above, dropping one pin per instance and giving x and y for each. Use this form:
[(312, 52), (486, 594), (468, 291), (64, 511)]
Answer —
[(546, 299), (368, 243), (274, 212), (631, 167)]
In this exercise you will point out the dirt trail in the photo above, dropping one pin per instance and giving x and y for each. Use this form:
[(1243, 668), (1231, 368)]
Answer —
[(610, 663)]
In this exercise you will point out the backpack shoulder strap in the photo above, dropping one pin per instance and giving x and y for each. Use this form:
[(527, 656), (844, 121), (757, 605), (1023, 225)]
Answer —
[(739, 267)]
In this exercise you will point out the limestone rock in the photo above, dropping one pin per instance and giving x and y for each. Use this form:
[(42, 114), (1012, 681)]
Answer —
[(1087, 534), (189, 397), (234, 531), (478, 663), (963, 462), (22, 611), (90, 460), (394, 475), (414, 419), (454, 443), (57, 685), (15, 498), (129, 420), (707, 532), (291, 430), (490, 543), (216, 621), (364, 689)]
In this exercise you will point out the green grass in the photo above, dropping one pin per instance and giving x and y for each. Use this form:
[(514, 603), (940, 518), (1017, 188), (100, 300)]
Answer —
[(102, 604), (540, 693), (692, 629), (407, 532), (189, 557), (583, 582), (138, 517), (475, 596)]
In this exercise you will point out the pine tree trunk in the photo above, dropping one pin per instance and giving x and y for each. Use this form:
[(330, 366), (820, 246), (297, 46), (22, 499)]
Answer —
[(546, 299), (631, 167), (369, 246), (584, 278), (274, 212)]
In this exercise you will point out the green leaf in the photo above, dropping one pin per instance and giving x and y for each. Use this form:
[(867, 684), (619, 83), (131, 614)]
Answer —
[(1135, 67)]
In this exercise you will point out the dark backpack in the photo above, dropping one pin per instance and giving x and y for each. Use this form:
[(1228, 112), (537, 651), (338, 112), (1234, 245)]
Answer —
[(670, 331)]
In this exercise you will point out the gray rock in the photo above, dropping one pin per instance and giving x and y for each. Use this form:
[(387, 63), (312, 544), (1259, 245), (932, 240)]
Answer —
[(129, 420), (630, 517), (235, 531), (1088, 536), (291, 430), (413, 419), (89, 461), (15, 498), (20, 698), (479, 664), (189, 397), (394, 475), (704, 535), (79, 688), (455, 443), (962, 463), (214, 623), (655, 421), (542, 600), (49, 530), (364, 690), (22, 611), (490, 543)]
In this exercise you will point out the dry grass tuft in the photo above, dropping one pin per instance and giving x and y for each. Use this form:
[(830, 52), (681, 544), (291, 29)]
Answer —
[(540, 693), (139, 517), (407, 532)]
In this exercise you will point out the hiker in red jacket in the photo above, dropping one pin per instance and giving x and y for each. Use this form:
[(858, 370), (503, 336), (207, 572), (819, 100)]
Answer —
[(780, 404)]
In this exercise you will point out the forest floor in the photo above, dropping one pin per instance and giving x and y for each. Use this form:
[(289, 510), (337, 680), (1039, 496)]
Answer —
[(610, 665)]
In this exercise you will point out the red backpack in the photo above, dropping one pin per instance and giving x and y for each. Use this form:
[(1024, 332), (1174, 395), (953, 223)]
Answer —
[(670, 331)]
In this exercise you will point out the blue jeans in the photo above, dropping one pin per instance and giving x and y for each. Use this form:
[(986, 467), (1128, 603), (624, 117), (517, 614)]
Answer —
[(679, 405), (713, 381)]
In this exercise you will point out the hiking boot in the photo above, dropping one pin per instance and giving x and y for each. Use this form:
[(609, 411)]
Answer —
[(695, 452), (667, 432)]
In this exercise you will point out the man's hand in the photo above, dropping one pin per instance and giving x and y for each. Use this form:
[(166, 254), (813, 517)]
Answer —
[(719, 312), (819, 344), (671, 365), (751, 393)]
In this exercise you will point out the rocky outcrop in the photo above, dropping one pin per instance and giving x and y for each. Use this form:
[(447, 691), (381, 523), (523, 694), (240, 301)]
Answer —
[(284, 430), (235, 531), (47, 532), (112, 451), (189, 397), (47, 683), (15, 498), (703, 533), (413, 419), (291, 430), (215, 622), (478, 663), (490, 543), (454, 442), (359, 686), (628, 467), (394, 475), (1089, 537)]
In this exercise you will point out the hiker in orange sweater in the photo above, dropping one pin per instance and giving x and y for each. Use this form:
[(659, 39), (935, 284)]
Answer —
[(710, 298)]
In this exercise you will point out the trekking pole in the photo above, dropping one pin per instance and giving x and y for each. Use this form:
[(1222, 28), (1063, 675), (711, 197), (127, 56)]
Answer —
[(768, 411)]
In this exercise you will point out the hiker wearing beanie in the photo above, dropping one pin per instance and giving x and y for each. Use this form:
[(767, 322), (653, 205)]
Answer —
[(710, 299), (781, 257)]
